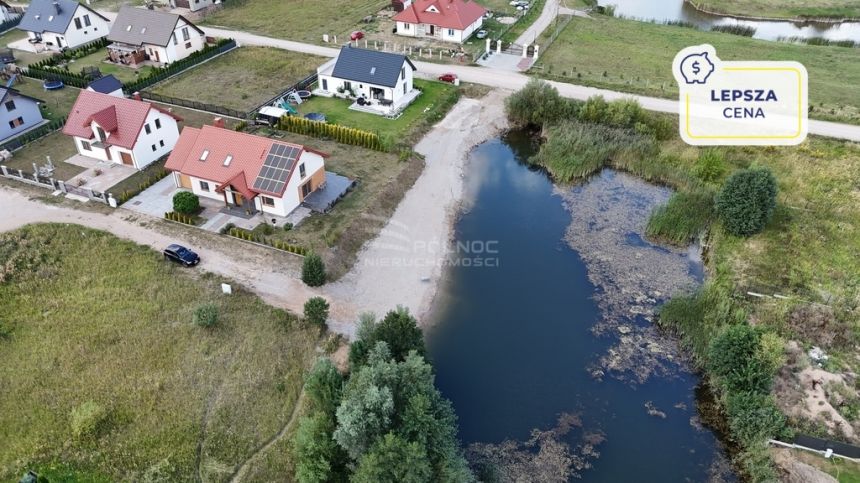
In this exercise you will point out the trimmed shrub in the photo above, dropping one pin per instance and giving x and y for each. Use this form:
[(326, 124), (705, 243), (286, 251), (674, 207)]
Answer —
[(746, 202), (316, 311), (206, 315), (186, 202), (313, 270), (88, 421)]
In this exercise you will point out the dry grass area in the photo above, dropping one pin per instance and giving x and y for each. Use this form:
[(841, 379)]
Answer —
[(243, 78), (91, 319), (304, 20), (641, 53)]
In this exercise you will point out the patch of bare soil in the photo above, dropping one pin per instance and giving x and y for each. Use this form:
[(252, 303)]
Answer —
[(545, 457), (631, 275), (791, 470), (808, 392)]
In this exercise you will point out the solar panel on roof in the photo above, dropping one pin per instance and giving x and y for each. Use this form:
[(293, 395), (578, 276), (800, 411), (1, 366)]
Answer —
[(276, 168)]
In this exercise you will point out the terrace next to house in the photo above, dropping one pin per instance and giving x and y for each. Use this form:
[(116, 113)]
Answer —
[(18, 113), (248, 173), (140, 35), (60, 24), (447, 20), (118, 130), (380, 82)]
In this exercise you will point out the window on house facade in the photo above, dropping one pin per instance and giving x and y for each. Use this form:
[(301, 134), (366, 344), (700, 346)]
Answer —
[(100, 134), (78, 24), (175, 40), (186, 36), (16, 122), (87, 20), (187, 45), (158, 124), (403, 73), (10, 106), (86, 146), (404, 88), (407, 26), (267, 201), (147, 128), (161, 143), (451, 32), (302, 172), (153, 147), (204, 186)]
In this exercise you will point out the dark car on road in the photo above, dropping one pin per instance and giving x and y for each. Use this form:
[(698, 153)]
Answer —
[(180, 254)]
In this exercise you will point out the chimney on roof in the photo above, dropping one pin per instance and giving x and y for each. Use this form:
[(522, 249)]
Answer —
[(57, 8), (219, 122), (136, 96)]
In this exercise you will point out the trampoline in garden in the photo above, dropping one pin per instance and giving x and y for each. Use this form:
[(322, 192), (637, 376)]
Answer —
[(53, 84), (315, 116), (304, 94)]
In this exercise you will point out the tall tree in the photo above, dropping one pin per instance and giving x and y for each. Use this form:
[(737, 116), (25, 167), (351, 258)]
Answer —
[(393, 460)]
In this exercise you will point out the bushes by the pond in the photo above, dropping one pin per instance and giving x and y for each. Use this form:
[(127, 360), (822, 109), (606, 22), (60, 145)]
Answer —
[(577, 149), (747, 201), (683, 217)]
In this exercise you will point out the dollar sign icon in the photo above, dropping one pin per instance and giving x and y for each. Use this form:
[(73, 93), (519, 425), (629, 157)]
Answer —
[(696, 68)]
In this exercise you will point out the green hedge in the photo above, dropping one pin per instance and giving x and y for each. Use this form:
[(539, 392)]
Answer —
[(179, 217), (341, 134), (162, 73), (47, 68), (277, 244)]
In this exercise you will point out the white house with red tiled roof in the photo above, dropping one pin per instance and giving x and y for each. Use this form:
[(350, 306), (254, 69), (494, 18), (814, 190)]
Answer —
[(246, 172), (126, 131), (447, 20)]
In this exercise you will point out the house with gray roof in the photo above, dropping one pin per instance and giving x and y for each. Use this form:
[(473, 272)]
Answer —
[(18, 113), (380, 82), (61, 24), (140, 35)]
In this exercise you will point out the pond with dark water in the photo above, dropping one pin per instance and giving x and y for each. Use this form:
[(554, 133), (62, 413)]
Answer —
[(543, 338)]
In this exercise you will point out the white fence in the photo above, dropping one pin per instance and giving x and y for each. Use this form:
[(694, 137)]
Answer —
[(56, 185)]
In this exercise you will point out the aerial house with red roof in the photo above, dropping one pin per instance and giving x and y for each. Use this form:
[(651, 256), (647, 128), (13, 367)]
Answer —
[(247, 172), (447, 20), (127, 131)]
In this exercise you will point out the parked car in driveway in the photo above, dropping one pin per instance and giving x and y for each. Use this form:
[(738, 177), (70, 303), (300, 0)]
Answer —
[(448, 77), (357, 35), (180, 254)]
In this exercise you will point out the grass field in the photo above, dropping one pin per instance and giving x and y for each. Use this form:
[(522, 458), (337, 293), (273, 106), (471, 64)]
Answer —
[(636, 57), (304, 20), (117, 331), (434, 95), (243, 78), (57, 104), (785, 8)]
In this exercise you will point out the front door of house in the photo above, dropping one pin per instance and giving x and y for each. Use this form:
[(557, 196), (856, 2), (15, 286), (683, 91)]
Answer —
[(237, 199), (306, 189), (126, 159), (432, 30), (156, 56)]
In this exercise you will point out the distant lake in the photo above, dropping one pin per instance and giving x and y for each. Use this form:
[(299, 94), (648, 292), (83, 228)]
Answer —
[(514, 342), (678, 10)]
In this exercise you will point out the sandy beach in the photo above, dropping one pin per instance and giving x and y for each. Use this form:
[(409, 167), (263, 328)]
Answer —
[(404, 264)]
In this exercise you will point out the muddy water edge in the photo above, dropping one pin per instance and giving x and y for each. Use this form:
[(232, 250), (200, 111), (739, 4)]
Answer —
[(542, 334)]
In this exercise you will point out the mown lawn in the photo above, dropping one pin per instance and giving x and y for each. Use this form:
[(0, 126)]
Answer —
[(243, 78), (57, 103), (91, 318), (636, 57), (56, 145), (304, 20), (434, 95), (785, 8), (96, 59)]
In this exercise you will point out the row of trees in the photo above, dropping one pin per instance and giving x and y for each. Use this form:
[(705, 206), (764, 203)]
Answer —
[(385, 421)]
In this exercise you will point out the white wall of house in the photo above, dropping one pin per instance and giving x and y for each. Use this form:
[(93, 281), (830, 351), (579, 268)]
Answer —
[(441, 33), (206, 190), (142, 154), (331, 84), (159, 141), (179, 48), (86, 148), (75, 36)]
